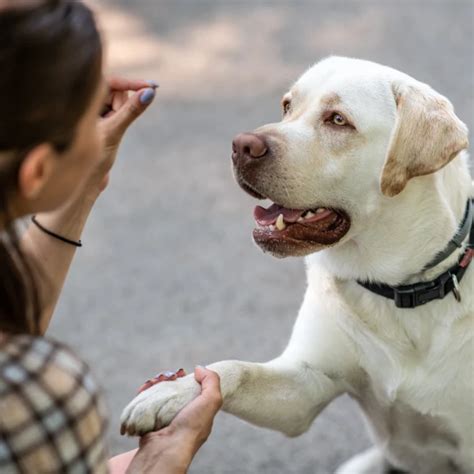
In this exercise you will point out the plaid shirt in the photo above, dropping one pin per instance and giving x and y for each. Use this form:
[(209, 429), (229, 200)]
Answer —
[(51, 412)]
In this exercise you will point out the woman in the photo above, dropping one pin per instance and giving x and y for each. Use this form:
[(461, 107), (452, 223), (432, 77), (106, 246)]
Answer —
[(55, 156)]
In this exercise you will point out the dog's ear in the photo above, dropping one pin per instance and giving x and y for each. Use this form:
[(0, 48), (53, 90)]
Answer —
[(427, 135)]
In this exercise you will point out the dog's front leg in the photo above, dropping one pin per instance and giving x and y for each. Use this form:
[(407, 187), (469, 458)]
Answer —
[(287, 393), (283, 394)]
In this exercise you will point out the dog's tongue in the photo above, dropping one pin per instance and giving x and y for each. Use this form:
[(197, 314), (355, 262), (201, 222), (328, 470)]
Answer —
[(269, 216)]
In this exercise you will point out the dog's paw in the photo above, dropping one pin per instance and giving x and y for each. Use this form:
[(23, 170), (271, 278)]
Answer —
[(156, 407)]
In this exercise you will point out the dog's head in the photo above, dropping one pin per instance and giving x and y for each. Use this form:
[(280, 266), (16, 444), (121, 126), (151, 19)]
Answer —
[(353, 134)]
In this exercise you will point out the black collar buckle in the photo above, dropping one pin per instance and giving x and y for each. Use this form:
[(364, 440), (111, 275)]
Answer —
[(411, 296)]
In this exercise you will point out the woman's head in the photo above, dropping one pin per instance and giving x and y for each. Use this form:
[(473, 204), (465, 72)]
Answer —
[(51, 91), (51, 61)]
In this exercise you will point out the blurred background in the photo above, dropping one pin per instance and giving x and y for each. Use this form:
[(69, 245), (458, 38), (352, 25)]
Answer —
[(169, 276)]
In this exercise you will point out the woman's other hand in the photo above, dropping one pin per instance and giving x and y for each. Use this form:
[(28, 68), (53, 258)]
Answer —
[(120, 110), (172, 449)]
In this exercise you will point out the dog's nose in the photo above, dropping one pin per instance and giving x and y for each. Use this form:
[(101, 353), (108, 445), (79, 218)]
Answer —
[(248, 145)]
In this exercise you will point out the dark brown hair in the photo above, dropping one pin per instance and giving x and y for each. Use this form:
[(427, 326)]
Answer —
[(50, 67)]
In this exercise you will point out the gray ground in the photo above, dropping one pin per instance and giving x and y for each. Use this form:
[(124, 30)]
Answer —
[(169, 276)]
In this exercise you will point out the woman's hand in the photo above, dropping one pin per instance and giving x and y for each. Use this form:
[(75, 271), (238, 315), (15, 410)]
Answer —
[(172, 449), (55, 257), (119, 112)]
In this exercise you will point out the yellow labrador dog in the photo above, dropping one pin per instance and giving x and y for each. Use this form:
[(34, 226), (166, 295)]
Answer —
[(369, 182)]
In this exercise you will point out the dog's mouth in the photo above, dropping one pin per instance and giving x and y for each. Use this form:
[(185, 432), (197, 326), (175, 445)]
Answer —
[(284, 231)]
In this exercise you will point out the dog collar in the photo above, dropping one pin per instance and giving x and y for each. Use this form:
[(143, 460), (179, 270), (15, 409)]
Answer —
[(417, 294)]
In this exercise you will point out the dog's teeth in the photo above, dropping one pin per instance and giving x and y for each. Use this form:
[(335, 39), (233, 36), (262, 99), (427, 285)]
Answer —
[(271, 227), (320, 210), (300, 219), (280, 223), (309, 214)]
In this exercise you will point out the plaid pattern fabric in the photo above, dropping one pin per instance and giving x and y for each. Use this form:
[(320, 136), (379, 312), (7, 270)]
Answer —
[(52, 418)]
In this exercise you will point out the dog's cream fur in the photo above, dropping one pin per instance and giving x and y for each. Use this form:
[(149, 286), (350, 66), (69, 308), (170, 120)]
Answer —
[(403, 179)]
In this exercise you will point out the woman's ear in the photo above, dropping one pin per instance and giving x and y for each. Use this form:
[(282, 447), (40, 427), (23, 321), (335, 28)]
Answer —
[(426, 137), (35, 170)]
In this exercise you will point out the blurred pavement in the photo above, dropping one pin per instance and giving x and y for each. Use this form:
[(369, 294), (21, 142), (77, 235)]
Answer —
[(168, 276)]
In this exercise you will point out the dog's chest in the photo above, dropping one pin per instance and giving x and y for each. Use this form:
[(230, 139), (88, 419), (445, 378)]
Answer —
[(417, 390), (420, 442), (420, 413)]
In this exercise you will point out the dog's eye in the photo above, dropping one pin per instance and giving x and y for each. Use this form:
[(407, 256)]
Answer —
[(338, 119), (286, 106)]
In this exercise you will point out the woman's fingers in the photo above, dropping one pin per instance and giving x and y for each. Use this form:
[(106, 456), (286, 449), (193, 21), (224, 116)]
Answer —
[(195, 419), (119, 99), (121, 110), (162, 377), (199, 414), (120, 120), (114, 102), (122, 84), (209, 380), (118, 113), (210, 388)]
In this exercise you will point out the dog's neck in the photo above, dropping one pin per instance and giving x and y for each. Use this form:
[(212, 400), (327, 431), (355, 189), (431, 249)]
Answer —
[(399, 242)]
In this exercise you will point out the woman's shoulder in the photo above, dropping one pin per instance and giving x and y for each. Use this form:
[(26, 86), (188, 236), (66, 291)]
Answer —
[(45, 371), (51, 410), (23, 355)]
